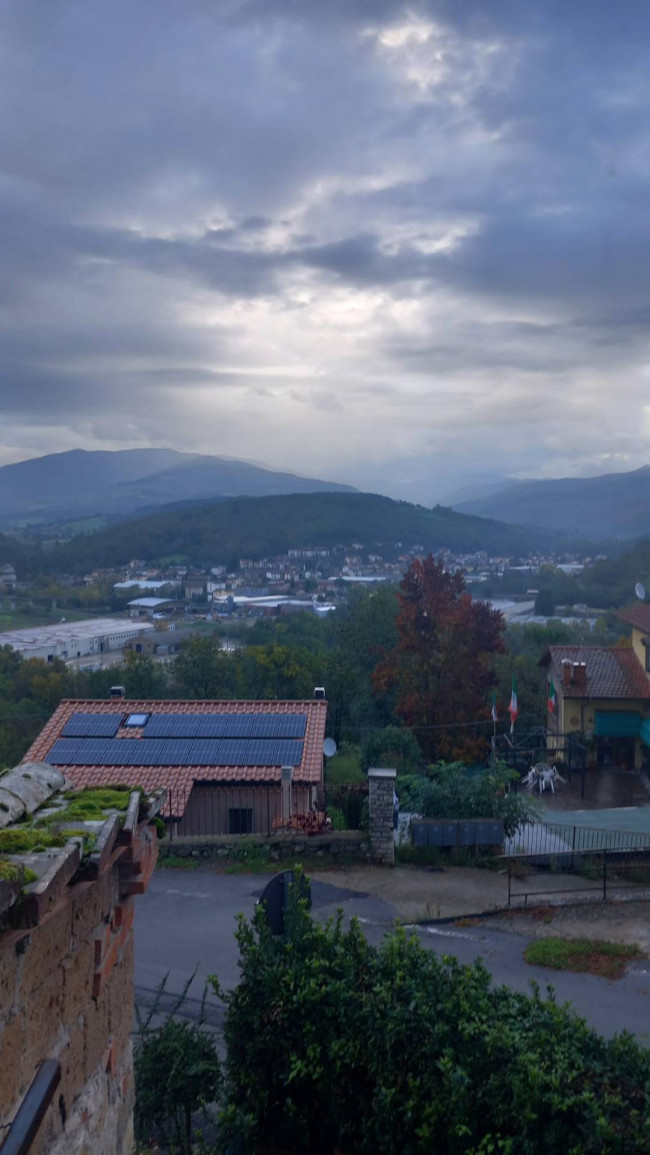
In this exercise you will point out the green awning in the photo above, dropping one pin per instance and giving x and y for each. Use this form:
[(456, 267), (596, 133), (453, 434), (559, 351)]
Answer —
[(645, 732), (617, 724)]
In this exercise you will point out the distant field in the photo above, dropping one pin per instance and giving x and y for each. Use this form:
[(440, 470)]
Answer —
[(19, 620)]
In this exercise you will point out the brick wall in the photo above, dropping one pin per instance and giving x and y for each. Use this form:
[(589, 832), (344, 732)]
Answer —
[(66, 992)]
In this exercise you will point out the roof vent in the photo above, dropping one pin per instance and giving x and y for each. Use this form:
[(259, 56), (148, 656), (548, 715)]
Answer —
[(319, 692), (118, 692)]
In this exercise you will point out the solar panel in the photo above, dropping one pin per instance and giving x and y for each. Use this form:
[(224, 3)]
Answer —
[(232, 753), (62, 751), (292, 725), (205, 752), (176, 752), (265, 726), (159, 726), (147, 753), (89, 752), (120, 752), (260, 752), (83, 725), (288, 753), (210, 726)]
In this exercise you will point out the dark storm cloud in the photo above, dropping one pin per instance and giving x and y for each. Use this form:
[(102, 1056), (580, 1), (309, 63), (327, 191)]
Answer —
[(201, 200)]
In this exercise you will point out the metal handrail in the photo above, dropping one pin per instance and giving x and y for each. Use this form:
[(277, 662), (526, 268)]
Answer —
[(23, 1128)]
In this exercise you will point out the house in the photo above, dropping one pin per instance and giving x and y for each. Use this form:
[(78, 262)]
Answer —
[(229, 767), (603, 694)]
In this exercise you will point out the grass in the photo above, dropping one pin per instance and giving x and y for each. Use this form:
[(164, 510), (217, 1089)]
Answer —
[(176, 862), (582, 955), (345, 767)]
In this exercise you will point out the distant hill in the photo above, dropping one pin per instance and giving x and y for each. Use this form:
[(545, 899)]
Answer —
[(615, 505), (254, 527), (121, 484)]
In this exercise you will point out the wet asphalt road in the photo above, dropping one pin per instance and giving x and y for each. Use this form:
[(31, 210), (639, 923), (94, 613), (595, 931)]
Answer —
[(187, 920)]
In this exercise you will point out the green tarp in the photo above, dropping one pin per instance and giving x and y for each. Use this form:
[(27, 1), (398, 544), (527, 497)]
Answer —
[(645, 732), (617, 724)]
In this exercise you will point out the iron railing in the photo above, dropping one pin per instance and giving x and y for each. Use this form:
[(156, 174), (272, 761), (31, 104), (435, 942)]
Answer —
[(605, 874), (541, 839), (23, 1128)]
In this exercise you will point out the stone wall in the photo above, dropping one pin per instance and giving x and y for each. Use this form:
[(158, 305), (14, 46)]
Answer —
[(66, 992), (334, 843), (381, 787)]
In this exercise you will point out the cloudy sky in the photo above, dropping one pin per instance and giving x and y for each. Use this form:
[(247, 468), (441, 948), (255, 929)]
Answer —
[(386, 245)]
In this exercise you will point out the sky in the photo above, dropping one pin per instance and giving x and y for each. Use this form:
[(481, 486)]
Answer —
[(402, 247)]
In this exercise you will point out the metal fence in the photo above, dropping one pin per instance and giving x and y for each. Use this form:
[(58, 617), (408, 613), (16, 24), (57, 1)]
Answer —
[(540, 839), (349, 798), (604, 874)]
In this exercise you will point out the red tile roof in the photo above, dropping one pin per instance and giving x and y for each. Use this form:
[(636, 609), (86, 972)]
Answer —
[(637, 615), (611, 672), (180, 779)]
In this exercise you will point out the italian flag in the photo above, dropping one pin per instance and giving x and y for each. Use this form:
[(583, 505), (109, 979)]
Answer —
[(552, 698), (495, 716), (513, 709)]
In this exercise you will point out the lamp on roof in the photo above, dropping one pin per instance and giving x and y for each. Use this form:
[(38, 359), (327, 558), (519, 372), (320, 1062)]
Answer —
[(639, 590)]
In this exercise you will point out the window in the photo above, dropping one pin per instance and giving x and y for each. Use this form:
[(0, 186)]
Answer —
[(240, 821), (137, 720)]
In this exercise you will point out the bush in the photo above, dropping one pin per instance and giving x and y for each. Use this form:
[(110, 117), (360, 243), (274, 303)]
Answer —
[(333, 1043), (177, 1073), (453, 791), (337, 818)]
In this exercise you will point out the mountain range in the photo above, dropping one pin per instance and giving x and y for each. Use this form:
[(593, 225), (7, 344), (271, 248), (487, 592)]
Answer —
[(614, 505), (121, 484)]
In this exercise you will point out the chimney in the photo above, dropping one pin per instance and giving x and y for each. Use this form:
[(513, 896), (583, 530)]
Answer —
[(580, 673), (287, 775), (319, 692), (566, 672), (118, 692)]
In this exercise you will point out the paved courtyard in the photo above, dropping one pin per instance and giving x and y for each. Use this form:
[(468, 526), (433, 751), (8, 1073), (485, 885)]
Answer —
[(187, 920)]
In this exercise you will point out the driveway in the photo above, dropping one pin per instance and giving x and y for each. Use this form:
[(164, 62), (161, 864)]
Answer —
[(186, 921)]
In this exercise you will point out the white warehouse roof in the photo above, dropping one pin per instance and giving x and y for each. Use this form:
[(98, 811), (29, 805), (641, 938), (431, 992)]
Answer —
[(37, 637)]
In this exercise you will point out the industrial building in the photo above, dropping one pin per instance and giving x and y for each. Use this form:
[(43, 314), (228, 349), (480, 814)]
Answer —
[(68, 640)]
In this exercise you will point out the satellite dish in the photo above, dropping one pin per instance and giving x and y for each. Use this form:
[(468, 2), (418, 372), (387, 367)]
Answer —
[(329, 747), (639, 590)]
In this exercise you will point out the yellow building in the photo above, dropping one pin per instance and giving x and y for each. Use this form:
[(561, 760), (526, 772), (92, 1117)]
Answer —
[(603, 695)]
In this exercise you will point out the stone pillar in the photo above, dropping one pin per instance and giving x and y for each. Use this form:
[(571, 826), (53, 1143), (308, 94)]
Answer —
[(381, 786)]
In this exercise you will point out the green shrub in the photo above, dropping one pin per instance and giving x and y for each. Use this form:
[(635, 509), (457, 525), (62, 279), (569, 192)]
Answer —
[(177, 1074), (452, 790), (337, 818), (333, 1043)]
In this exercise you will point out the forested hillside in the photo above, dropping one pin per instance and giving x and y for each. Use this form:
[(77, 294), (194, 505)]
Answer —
[(253, 527)]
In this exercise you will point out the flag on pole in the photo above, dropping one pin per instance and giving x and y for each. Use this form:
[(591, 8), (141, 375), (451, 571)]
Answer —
[(512, 708), (495, 716), (552, 698)]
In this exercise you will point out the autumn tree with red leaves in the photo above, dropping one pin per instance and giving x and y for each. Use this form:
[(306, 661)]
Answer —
[(442, 666)]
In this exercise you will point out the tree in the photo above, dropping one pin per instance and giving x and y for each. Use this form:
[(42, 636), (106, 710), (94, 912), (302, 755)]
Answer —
[(143, 678), (393, 746), (201, 668), (442, 667)]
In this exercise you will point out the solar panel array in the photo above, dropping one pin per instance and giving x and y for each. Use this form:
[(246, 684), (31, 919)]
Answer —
[(225, 726), (92, 726), (175, 752)]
